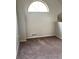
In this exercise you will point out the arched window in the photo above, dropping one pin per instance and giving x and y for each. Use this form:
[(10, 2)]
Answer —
[(38, 6)]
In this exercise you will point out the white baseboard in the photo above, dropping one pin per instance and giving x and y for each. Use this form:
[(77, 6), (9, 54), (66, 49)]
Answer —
[(23, 40), (60, 37), (39, 36)]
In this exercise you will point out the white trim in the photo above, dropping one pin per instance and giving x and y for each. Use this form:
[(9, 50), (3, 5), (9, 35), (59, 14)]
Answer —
[(23, 40), (39, 36)]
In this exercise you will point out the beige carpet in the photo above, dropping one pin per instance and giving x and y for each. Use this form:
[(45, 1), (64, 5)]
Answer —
[(42, 48)]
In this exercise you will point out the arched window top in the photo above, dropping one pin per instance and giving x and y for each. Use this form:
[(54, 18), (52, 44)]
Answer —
[(38, 6)]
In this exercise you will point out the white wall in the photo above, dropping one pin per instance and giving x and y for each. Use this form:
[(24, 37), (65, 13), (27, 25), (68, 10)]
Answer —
[(17, 37), (17, 42), (41, 24), (60, 1), (59, 29), (21, 19)]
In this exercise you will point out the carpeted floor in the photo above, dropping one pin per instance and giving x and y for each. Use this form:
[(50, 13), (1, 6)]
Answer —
[(42, 48)]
